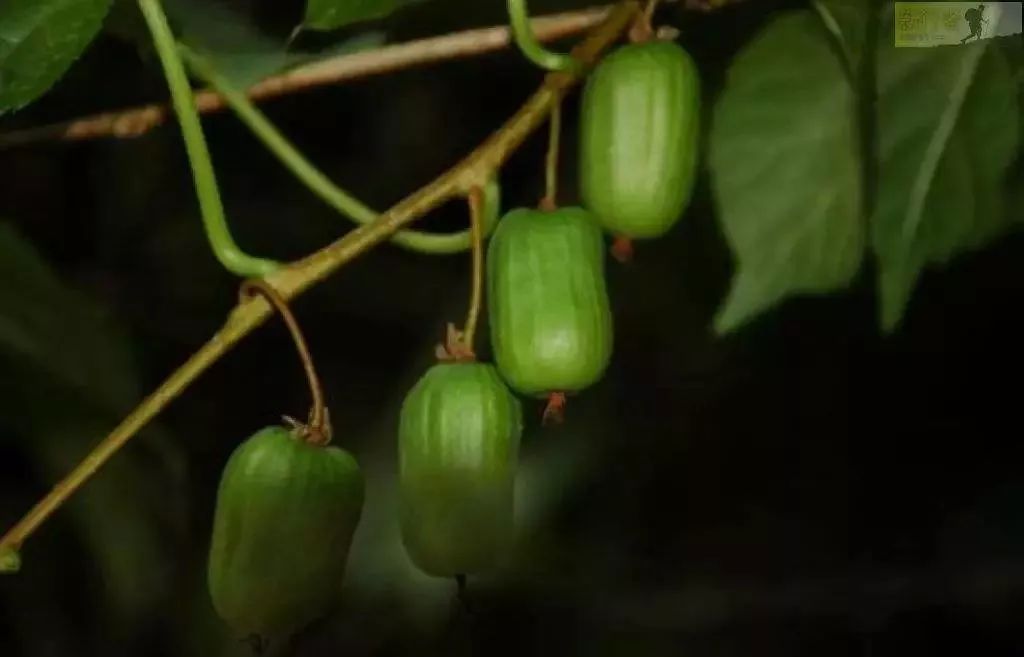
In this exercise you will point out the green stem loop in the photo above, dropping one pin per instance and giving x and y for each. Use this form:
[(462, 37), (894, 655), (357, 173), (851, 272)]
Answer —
[(214, 221), (530, 46), (317, 182)]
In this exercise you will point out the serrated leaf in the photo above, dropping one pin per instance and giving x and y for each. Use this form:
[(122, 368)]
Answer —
[(333, 14), (785, 169), (39, 41), (947, 131)]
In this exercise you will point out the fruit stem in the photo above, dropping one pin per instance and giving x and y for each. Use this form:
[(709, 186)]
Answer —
[(319, 430), (476, 210), (531, 47), (212, 208), (458, 345), (550, 200), (643, 29)]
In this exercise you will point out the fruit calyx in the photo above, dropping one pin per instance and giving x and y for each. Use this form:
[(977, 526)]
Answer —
[(313, 432), (622, 249), (554, 411), (455, 347), (641, 31)]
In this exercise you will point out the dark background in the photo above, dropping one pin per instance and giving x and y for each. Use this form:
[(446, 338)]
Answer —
[(806, 486)]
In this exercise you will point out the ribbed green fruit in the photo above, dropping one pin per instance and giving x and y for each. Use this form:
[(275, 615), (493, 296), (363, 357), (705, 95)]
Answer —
[(286, 514), (458, 446), (550, 315), (639, 124)]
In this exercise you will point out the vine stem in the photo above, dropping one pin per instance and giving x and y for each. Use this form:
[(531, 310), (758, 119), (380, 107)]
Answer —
[(530, 46), (137, 121), (474, 170), (210, 204), (307, 173), (318, 431), (550, 200)]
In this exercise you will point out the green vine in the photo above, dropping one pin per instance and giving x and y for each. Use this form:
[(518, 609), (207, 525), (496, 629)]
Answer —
[(530, 46), (316, 181), (210, 204)]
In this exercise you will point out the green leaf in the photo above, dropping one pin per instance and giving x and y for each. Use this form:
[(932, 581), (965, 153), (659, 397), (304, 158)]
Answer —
[(947, 131), (34, 318), (39, 41), (236, 46), (68, 378), (333, 14), (785, 169), (847, 21)]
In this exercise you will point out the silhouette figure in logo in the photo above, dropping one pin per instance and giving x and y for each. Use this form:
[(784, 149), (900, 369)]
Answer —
[(975, 19)]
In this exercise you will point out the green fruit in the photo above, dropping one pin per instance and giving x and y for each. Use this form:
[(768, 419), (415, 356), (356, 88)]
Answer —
[(285, 517), (458, 449), (550, 315), (639, 125)]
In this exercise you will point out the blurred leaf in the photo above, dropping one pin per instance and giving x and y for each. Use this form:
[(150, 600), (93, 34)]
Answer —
[(39, 41), (332, 14), (847, 21), (125, 22), (239, 49), (231, 40), (786, 174), (1015, 202), (359, 42), (68, 379), (122, 515), (947, 129), (44, 323)]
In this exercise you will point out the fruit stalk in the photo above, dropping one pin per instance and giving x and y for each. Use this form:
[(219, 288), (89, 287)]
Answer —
[(476, 211), (643, 28), (319, 430), (550, 200)]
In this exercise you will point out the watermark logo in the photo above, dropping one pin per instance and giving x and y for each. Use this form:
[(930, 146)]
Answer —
[(930, 24)]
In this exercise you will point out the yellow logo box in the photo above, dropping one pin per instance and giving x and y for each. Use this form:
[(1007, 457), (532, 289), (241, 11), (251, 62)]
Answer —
[(931, 24)]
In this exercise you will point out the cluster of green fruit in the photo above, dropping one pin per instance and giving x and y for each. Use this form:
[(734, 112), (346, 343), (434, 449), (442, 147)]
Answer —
[(288, 508)]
